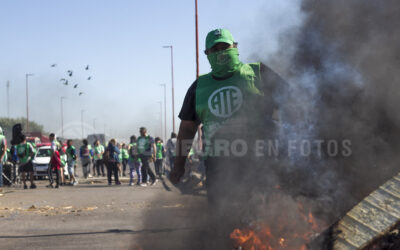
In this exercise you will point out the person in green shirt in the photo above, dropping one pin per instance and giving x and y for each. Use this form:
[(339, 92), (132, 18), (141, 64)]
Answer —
[(235, 102), (85, 154), (125, 158), (135, 164), (98, 158), (160, 154), (146, 152), (26, 152)]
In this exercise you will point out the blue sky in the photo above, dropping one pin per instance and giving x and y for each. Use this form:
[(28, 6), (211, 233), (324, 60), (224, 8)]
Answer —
[(122, 42)]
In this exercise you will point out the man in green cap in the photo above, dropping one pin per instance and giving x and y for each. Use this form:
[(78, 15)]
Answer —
[(234, 101), (26, 152)]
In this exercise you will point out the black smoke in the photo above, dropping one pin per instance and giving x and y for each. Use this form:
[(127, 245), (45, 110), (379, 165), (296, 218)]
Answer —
[(341, 65)]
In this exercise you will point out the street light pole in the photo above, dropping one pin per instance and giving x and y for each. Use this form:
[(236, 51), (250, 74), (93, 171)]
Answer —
[(62, 116), (197, 40), (8, 99), (27, 102), (94, 125), (172, 80), (165, 110), (82, 110), (161, 128)]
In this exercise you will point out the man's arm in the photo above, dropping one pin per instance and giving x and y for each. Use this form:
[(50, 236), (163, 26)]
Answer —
[(187, 131), (4, 142), (154, 150)]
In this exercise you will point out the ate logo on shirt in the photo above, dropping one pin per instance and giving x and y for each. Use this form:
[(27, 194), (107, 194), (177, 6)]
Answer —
[(225, 101)]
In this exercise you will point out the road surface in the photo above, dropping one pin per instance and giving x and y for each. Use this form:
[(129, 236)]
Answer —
[(94, 215)]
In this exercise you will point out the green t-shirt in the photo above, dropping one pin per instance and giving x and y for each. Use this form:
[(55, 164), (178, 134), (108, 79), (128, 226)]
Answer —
[(120, 155), (25, 152), (144, 144), (71, 153), (125, 153), (98, 152), (218, 101), (159, 153)]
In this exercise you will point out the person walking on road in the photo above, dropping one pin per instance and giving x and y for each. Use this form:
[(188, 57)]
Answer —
[(112, 168), (125, 158), (55, 166), (135, 164), (3, 154), (146, 151), (160, 154), (26, 152), (98, 158), (54, 146), (170, 147), (71, 158), (86, 158), (63, 159)]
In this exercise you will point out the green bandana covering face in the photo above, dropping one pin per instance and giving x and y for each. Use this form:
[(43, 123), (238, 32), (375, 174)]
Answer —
[(224, 62)]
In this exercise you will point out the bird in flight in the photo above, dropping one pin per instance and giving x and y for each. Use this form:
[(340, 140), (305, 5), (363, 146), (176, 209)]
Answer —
[(76, 85), (87, 67), (89, 78), (66, 82), (53, 65), (69, 72), (62, 79), (80, 93)]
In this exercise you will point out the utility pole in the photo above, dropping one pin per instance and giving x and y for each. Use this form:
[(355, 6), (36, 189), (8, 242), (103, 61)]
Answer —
[(94, 125), (197, 40), (27, 102), (8, 99), (197, 65), (172, 87), (161, 120), (165, 110), (82, 110), (62, 116)]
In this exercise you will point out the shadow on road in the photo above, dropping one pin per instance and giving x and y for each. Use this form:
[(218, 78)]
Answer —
[(110, 231)]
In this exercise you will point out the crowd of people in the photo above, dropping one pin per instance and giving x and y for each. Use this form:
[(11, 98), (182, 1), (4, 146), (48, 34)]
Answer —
[(110, 159)]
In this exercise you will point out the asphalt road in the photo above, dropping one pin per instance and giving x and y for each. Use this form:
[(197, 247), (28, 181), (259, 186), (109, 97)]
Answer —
[(94, 215)]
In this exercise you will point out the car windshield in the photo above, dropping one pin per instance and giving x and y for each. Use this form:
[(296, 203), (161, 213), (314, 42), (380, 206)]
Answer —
[(44, 152)]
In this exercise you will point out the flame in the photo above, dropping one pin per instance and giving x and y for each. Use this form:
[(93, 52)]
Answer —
[(282, 242), (312, 222), (262, 237)]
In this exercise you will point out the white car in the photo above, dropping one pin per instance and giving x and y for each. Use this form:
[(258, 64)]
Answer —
[(41, 162)]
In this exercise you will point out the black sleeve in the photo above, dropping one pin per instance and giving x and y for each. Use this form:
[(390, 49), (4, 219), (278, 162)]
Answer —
[(188, 111)]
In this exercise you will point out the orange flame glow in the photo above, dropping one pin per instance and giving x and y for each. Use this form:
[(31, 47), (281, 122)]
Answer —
[(263, 237)]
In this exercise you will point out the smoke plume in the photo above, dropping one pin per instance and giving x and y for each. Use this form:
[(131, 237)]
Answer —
[(341, 67)]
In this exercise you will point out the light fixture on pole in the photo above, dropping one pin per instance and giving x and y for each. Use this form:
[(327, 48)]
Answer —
[(27, 102), (165, 110), (172, 87)]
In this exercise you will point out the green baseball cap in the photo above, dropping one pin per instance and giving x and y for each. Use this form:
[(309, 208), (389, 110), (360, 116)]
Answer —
[(219, 36)]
